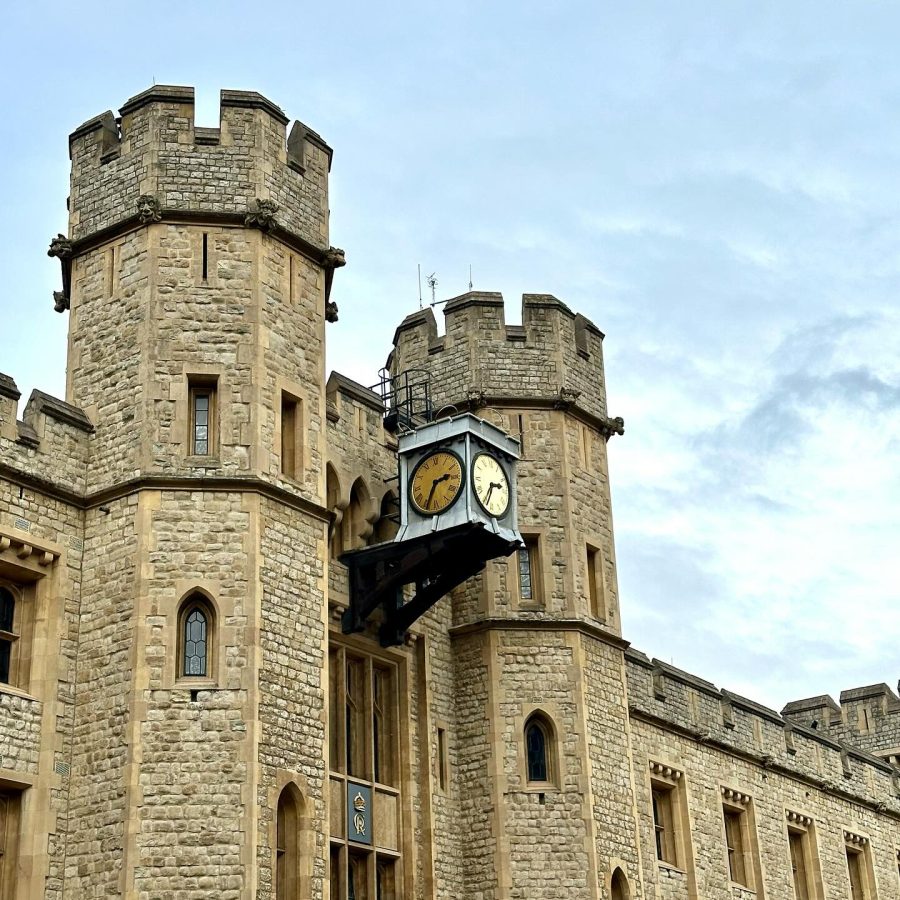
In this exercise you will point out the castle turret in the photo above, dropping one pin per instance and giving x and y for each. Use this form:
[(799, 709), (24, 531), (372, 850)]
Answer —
[(536, 638), (196, 271), (198, 263)]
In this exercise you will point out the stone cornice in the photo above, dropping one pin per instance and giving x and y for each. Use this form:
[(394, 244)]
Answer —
[(605, 425), (249, 484), (503, 624), (319, 255)]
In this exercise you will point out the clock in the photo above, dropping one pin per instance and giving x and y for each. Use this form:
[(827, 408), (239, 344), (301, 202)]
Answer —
[(436, 482), (491, 484)]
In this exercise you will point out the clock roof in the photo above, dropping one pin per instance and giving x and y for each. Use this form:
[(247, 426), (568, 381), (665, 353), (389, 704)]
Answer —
[(452, 427)]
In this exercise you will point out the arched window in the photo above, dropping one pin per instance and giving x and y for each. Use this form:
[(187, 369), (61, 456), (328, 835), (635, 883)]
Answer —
[(359, 517), (196, 625), (539, 750), (8, 635), (619, 886), (287, 844), (333, 500)]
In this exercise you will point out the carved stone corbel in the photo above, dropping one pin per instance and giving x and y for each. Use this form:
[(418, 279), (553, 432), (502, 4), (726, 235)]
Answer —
[(261, 214), (149, 210), (61, 248), (476, 399), (566, 398)]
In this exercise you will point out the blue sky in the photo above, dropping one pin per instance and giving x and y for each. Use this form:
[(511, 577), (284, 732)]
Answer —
[(714, 185)]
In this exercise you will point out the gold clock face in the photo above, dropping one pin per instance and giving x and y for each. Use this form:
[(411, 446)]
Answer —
[(436, 482), (491, 485)]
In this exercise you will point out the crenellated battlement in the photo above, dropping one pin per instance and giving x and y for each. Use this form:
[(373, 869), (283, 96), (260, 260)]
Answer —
[(663, 695), (51, 442), (152, 161), (554, 356), (867, 717)]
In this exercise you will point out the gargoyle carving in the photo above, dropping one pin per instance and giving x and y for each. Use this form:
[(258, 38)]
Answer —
[(60, 247), (334, 258), (149, 210), (261, 214), (476, 399), (609, 427), (566, 398)]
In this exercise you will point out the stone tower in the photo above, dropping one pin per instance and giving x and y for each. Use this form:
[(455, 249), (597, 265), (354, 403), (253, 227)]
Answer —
[(198, 270), (536, 639)]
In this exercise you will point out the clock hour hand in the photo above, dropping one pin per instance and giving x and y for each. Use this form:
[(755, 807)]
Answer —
[(434, 485)]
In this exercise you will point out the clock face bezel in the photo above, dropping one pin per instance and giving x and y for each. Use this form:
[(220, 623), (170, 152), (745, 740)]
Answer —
[(436, 451), (475, 491)]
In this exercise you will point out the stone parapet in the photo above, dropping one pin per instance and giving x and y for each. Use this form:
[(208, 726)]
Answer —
[(671, 699), (867, 717), (555, 356), (151, 162)]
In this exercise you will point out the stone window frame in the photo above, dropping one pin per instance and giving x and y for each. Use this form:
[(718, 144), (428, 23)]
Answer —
[(535, 541), (596, 592), (12, 637), (303, 843), (668, 800), (547, 715), (803, 828), (739, 804), (618, 888), (203, 388), (289, 439), (28, 570), (219, 635), (197, 600), (859, 848), (196, 377)]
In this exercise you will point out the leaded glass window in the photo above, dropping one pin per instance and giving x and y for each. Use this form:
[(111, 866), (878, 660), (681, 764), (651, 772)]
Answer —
[(195, 642), (201, 424), (536, 751), (526, 590)]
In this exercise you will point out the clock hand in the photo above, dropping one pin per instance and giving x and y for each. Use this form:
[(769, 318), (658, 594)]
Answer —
[(487, 499), (434, 485)]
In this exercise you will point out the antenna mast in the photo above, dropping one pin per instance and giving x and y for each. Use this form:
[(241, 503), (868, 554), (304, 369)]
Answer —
[(419, 267), (432, 283), (470, 276)]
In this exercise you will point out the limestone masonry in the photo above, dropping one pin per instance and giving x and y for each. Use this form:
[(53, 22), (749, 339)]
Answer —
[(180, 714)]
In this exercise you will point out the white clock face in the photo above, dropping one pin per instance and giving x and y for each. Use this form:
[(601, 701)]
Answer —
[(491, 485)]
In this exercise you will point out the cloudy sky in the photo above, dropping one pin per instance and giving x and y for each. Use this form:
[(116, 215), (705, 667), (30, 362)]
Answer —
[(715, 185)]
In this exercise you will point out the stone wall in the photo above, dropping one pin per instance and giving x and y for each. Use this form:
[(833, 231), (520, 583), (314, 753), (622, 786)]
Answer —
[(719, 741)]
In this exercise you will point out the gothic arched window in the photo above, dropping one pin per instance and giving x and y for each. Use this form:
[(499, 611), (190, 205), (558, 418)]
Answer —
[(619, 886), (539, 755), (287, 844), (195, 638)]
